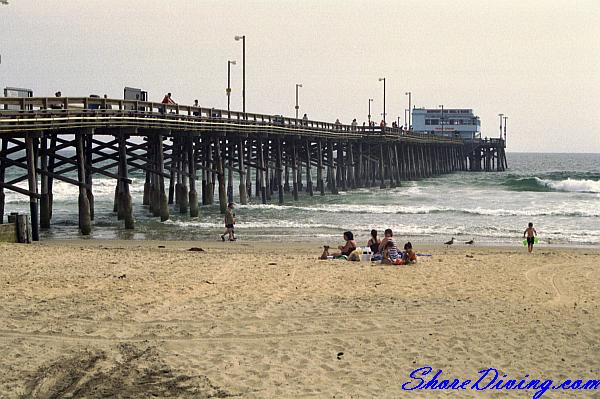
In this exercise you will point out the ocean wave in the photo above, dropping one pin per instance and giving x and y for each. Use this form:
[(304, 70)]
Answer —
[(573, 185), (545, 184), (567, 211)]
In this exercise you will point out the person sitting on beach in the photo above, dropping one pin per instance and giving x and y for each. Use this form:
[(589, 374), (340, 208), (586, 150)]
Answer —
[(392, 249), (374, 242), (347, 248), (409, 256), (389, 254)]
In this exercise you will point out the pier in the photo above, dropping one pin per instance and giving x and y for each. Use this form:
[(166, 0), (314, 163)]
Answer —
[(192, 155)]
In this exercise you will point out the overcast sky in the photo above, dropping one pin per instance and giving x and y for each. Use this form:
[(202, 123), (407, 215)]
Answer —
[(536, 61)]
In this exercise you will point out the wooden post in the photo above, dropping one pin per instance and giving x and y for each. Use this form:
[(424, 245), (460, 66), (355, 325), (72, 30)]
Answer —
[(89, 152), (221, 178), (309, 184), (350, 175), (184, 173), (85, 223), (2, 175), (341, 167), (192, 149), (242, 186), (203, 162), (248, 170), (265, 175), (172, 176), (230, 154), (381, 167), (164, 205), (279, 172), (210, 184), (294, 169), (44, 200), (125, 205), (32, 180), (331, 169), (261, 175), (320, 185)]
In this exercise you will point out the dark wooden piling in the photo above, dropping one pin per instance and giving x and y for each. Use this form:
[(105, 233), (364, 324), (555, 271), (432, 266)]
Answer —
[(125, 202), (89, 153), (163, 203), (320, 185), (193, 150), (85, 222), (309, 183), (3, 150), (242, 174), (44, 200), (279, 167), (294, 169)]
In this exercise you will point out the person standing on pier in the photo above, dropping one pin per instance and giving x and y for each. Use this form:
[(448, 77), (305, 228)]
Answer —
[(168, 100)]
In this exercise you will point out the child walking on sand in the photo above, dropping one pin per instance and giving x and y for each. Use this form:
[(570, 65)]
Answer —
[(229, 223), (530, 233)]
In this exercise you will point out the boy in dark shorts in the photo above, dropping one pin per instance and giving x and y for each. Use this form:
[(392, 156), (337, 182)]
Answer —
[(229, 223), (531, 233)]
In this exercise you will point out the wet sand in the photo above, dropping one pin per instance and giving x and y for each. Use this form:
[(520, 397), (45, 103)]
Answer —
[(126, 319)]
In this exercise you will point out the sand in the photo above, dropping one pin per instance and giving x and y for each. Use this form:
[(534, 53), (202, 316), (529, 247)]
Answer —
[(267, 320)]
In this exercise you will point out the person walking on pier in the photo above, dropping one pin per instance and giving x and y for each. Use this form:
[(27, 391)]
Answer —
[(229, 223), (305, 120), (167, 99)]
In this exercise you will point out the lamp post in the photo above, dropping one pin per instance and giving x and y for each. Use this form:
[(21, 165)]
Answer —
[(243, 39), (297, 106), (398, 126), (383, 80), (505, 118), (229, 64), (409, 94), (370, 101), (500, 115), (442, 118)]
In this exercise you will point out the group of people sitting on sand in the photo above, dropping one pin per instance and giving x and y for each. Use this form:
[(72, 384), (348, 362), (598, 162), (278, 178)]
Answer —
[(384, 250)]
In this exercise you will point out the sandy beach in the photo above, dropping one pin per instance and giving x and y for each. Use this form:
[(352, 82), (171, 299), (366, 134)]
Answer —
[(259, 320)]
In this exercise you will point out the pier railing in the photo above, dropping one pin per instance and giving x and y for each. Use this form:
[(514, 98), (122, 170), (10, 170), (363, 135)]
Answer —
[(22, 114)]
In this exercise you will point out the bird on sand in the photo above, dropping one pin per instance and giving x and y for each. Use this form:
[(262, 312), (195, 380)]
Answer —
[(448, 243), (470, 242)]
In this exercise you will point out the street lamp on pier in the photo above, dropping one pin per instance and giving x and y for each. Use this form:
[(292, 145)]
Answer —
[(505, 118), (243, 39), (409, 94), (229, 64), (297, 106), (442, 118), (369, 115), (500, 115), (383, 80)]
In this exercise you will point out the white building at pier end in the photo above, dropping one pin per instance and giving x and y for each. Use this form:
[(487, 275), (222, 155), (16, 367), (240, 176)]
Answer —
[(451, 122)]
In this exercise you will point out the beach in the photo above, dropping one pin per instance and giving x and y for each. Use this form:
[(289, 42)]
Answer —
[(133, 318)]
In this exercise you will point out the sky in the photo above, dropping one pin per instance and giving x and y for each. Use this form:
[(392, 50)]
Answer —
[(537, 62)]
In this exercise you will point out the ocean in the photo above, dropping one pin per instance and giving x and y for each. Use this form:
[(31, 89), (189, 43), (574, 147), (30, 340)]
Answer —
[(559, 193)]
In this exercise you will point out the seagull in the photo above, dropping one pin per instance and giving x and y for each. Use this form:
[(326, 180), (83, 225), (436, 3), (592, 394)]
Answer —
[(448, 243), (470, 242)]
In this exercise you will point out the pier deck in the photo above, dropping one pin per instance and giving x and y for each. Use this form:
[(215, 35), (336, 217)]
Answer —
[(186, 144)]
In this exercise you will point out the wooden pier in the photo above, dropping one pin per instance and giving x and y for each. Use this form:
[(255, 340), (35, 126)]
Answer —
[(188, 153)]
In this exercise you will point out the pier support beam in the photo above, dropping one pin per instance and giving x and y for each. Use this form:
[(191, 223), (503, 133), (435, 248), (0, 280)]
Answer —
[(44, 200), (309, 183), (294, 169), (279, 167), (320, 185), (125, 205), (2, 177), (242, 186), (192, 149), (85, 223)]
